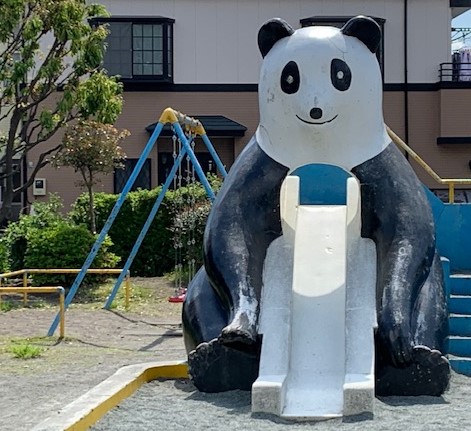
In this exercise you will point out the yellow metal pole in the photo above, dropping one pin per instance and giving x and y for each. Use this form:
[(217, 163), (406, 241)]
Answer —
[(62, 312), (168, 116), (399, 142), (451, 193), (128, 291), (44, 290), (25, 284)]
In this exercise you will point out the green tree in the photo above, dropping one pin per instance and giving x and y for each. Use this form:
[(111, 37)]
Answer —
[(91, 148), (46, 46)]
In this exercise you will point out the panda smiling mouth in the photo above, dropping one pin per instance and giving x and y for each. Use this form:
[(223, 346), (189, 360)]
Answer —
[(316, 123)]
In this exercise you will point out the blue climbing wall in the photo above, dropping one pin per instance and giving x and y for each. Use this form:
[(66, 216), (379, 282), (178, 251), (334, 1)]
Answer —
[(453, 227)]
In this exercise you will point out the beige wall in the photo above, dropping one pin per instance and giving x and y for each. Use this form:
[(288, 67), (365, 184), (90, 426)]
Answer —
[(215, 41), (143, 108), (431, 114), (434, 114), (455, 108)]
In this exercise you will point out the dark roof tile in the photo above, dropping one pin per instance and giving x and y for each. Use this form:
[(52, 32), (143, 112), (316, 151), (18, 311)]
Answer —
[(215, 125)]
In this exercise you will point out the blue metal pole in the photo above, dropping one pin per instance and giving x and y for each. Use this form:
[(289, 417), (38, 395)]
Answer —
[(194, 160), (114, 212), (214, 155), (145, 229)]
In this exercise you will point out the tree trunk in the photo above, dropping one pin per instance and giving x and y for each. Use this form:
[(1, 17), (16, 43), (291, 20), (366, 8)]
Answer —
[(91, 208)]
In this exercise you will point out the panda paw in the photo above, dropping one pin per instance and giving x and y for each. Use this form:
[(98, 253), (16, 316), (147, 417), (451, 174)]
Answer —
[(214, 367), (428, 373), (431, 359)]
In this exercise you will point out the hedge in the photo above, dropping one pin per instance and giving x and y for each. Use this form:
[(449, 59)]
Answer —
[(46, 238), (156, 255), (65, 246)]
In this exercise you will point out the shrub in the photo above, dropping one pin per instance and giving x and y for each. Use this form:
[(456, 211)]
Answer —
[(189, 215), (190, 211), (4, 265), (153, 257), (65, 246), (156, 255), (16, 235)]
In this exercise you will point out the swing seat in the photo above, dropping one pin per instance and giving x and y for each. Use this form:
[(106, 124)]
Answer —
[(178, 297)]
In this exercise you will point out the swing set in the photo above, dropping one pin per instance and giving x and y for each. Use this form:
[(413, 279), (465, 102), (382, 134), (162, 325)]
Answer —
[(185, 130)]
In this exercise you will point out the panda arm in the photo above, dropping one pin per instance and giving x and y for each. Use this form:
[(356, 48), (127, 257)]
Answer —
[(244, 220), (397, 216)]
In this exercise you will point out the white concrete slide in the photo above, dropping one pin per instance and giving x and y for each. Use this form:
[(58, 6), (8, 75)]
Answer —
[(317, 312)]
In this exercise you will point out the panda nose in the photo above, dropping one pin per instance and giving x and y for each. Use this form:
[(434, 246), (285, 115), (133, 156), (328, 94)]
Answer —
[(316, 113)]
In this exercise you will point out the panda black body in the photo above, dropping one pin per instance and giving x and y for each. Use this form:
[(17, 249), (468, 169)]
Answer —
[(220, 314)]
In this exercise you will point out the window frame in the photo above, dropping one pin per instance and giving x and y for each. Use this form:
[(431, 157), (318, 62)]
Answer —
[(167, 42)]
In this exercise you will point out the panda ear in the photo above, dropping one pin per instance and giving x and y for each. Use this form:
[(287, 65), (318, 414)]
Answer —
[(365, 29), (271, 32)]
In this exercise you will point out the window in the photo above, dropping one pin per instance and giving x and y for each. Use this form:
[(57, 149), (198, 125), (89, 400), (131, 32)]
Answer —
[(340, 21), (16, 184), (121, 176), (166, 162), (139, 48)]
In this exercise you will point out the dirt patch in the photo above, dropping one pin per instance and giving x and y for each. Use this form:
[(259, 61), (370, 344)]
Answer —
[(98, 342)]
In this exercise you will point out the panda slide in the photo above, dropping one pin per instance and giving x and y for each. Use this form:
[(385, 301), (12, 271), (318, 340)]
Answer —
[(317, 357), (288, 294)]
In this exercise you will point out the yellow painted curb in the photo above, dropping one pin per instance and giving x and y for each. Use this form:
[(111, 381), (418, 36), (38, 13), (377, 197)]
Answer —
[(93, 405)]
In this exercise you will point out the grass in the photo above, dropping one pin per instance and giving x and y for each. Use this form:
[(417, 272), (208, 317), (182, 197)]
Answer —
[(148, 296), (15, 302), (7, 306), (26, 351), (139, 296)]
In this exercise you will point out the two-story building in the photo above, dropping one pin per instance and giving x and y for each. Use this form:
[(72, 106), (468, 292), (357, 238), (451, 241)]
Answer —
[(201, 58)]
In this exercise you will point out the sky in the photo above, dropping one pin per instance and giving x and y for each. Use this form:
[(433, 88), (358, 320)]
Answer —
[(464, 20)]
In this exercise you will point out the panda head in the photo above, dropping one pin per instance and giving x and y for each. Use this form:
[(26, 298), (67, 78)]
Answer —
[(320, 93)]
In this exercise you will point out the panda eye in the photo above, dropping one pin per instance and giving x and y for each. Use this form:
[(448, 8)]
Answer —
[(340, 74), (290, 78)]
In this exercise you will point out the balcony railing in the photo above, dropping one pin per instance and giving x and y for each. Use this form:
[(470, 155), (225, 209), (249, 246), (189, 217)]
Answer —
[(455, 72)]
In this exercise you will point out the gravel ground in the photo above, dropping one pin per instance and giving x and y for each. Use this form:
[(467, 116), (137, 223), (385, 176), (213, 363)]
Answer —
[(97, 344), (176, 405)]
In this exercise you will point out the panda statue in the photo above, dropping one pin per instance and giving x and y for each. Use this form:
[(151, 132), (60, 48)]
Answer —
[(320, 101)]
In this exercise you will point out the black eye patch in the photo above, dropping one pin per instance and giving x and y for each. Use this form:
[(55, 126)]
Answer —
[(290, 78), (340, 74)]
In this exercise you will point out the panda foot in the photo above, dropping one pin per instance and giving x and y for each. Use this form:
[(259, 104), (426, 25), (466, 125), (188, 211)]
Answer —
[(427, 374), (214, 367)]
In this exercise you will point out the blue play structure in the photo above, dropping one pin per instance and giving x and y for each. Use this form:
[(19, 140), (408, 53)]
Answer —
[(453, 224), (178, 122)]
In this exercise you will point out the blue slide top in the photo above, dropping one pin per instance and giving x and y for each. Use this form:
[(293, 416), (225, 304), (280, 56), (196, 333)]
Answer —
[(322, 184)]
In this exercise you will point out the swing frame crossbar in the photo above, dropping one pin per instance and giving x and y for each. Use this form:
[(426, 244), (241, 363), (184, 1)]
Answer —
[(179, 121)]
